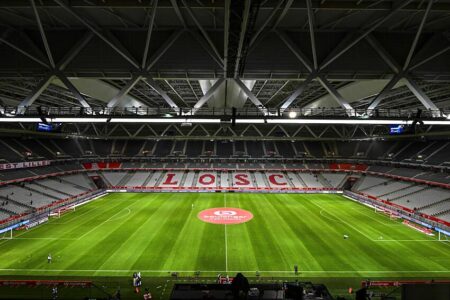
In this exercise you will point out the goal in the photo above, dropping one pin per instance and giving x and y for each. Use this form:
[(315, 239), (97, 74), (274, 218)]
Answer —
[(61, 211), (6, 234), (443, 237), (389, 213)]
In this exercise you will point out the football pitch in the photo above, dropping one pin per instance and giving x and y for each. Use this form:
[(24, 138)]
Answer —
[(160, 233)]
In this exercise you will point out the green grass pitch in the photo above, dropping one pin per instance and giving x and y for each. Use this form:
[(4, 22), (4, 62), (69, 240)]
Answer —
[(157, 233)]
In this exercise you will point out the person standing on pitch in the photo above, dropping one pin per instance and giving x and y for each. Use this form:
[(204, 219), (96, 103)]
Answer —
[(295, 269), (49, 258)]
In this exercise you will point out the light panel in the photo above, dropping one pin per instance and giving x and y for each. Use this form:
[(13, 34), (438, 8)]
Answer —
[(218, 121)]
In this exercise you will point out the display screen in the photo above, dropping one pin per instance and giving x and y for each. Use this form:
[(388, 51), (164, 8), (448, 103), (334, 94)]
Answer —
[(44, 127), (396, 129), (48, 127)]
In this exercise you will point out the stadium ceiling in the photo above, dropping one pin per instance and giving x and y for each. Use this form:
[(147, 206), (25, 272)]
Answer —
[(189, 56)]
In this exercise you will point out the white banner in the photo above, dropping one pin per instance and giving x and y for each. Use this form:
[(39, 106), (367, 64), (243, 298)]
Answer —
[(24, 164), (36, 223)]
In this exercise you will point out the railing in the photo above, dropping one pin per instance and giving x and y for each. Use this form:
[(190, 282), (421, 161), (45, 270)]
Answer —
[(218, 112)]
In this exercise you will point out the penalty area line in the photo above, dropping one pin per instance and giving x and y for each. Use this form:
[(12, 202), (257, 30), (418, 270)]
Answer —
[(234, 271), (341, 221), (109, 219), (380, 240)]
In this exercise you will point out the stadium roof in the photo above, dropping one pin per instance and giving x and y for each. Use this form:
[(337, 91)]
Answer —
[(205, 54)]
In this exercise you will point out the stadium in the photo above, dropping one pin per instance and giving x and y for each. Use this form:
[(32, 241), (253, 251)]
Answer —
[(225, 149)]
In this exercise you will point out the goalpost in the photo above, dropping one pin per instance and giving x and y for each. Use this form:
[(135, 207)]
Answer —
[(6, 234), (443, 237), (391, 214), (59, 212)]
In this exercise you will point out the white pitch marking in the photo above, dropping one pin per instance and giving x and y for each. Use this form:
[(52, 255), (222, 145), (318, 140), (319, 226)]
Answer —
[(74, 218), (369, 216), (109, 219), (46, 238), (406, 240), (342, 221), (234, 271), (120, 217), (226, 239)]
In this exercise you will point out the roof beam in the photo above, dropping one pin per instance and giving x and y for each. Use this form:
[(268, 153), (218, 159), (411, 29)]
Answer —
[(381, 95), (97, 33), (266, 22), (43, 36), (226, 33), (178, 12), (75, 50), (208, 94), (417, 36), (410, 83), (311, 32), (149, 33), (124, 91), (287, 6), (362, 36), (29, 100), (298, 91), (244, 26), (334, 93), (163, 49), (250, 95), (151, 83), (347, 14), (423, 98), (388, 59), (431, 57), (276, 92), (202, 30), (207, 48), (325, 5), (74, 90), (23, 52), (295, 50)]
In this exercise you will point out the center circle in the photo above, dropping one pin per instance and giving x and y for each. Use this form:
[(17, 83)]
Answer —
[(225, 215)]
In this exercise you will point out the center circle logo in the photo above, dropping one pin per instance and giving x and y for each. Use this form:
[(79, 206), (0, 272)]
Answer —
[(225, 215)]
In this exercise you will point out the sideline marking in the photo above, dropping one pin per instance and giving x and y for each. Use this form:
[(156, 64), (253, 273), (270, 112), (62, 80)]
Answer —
[(234, 271)]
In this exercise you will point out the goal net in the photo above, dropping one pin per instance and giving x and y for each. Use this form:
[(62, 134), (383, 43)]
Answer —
[(61, 211), (443, 237), (387, 212), (6, 234)]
